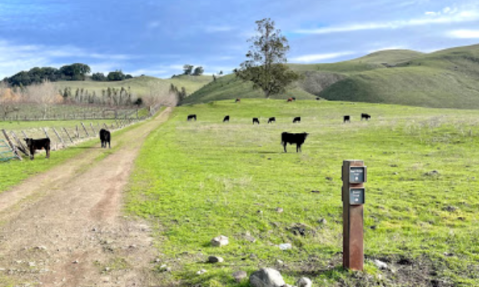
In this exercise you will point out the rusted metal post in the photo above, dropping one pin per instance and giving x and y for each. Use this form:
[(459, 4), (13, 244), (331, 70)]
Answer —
[(353, 196)]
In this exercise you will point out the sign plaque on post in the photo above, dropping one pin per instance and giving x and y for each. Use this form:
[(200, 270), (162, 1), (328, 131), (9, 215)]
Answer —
[(353, 195)]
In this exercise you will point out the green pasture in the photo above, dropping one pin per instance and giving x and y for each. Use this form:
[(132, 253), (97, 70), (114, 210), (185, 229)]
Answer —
[(198, 180)]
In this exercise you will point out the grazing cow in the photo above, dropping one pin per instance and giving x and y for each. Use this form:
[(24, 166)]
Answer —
[(297, 120), (255, 120), (190, 117), (238, 100), (346, 119), (38, 144), (226, 119), (318, 98), (289, 100), (271, 120), (105, 138), (365, 116), (294, 98), (290, 138)]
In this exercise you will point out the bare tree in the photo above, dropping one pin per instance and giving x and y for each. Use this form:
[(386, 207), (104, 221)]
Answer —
[(44, 94), (8, 100), (159, 94)]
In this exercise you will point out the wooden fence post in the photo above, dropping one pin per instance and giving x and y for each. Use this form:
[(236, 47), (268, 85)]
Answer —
[(24, 134), (93, 129), (87, 134), (65, 130), (106, 127), (45, 131), (61, 140), (14, 148), (20, 144)]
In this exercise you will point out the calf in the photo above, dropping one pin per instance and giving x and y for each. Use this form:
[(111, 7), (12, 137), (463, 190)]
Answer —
[(255, 120), (226, 119), (290, 138), (365, 116), (190, 117), (105, 138), (238, 100), (346, 119), (38, 144), (297, 120), (271, 120), (289, 100)]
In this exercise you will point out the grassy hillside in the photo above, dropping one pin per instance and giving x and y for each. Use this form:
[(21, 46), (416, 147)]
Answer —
[(198, 180), (229, 87), (140, 85), (443, 79)]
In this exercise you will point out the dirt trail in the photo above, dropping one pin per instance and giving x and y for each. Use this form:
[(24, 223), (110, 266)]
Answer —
[(64, 227)]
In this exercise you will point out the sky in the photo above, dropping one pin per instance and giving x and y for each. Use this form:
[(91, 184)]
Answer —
[(157, 37)]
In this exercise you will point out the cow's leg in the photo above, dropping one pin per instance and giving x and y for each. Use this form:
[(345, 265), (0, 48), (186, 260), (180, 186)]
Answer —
[(32, 153), (48, 152), (109, 144), (284, 145)]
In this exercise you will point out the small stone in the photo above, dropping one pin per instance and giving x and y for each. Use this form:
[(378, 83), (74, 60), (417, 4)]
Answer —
[(395, 173), (133, 246), (75, 262), (432, 173), (448, 254), (253, 256), (304, 282), (285, 246), (105, 279), (215, 259), (380, 265), (279, 262), (94, 230), (250, 238), (107, 269), (157, 260), (322, 221), (279, 210), (220, 241), (202, 271), (266, 277), (240, 275), (450, 208)]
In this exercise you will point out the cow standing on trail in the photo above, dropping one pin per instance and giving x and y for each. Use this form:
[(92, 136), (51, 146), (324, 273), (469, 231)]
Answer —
[(290, 138), (38, 144), (105, 138)]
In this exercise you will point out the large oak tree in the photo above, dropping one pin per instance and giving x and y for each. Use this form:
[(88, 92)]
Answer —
[(266, 61)]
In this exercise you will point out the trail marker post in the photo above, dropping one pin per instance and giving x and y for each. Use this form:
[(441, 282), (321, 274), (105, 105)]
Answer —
[(353, 196)]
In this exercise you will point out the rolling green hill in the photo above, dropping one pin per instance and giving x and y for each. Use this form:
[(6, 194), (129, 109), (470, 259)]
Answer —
[(443, 79), (140, 85)]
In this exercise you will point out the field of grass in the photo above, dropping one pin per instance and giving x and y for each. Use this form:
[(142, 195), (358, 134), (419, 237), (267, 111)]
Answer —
[(140, 85), (198, 180), (443, 79)]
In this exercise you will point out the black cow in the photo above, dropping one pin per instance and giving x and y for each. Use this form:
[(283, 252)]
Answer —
[(271, 120), (290, 138), (297, 120), (238, 100), (190, 117), (105, 138), (346, 119), (294, 98), (318, 98), (38, 144), (365, 116), (255, 120), (226, 119)]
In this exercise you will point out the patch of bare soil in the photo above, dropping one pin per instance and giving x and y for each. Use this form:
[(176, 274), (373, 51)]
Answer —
[(65, 227)]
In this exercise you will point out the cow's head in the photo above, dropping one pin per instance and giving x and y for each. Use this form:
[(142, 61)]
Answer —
[(305, 134), (28, 141)]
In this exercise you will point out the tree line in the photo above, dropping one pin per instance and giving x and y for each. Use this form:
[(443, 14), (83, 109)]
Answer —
[(73, 72)]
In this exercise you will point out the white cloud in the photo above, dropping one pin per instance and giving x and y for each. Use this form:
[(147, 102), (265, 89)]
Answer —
[(464, 34), (153, 24), (450, 16), (319, 57)]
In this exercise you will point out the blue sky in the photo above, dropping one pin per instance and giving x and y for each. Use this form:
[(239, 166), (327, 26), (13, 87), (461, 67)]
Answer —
[(156, 37)]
